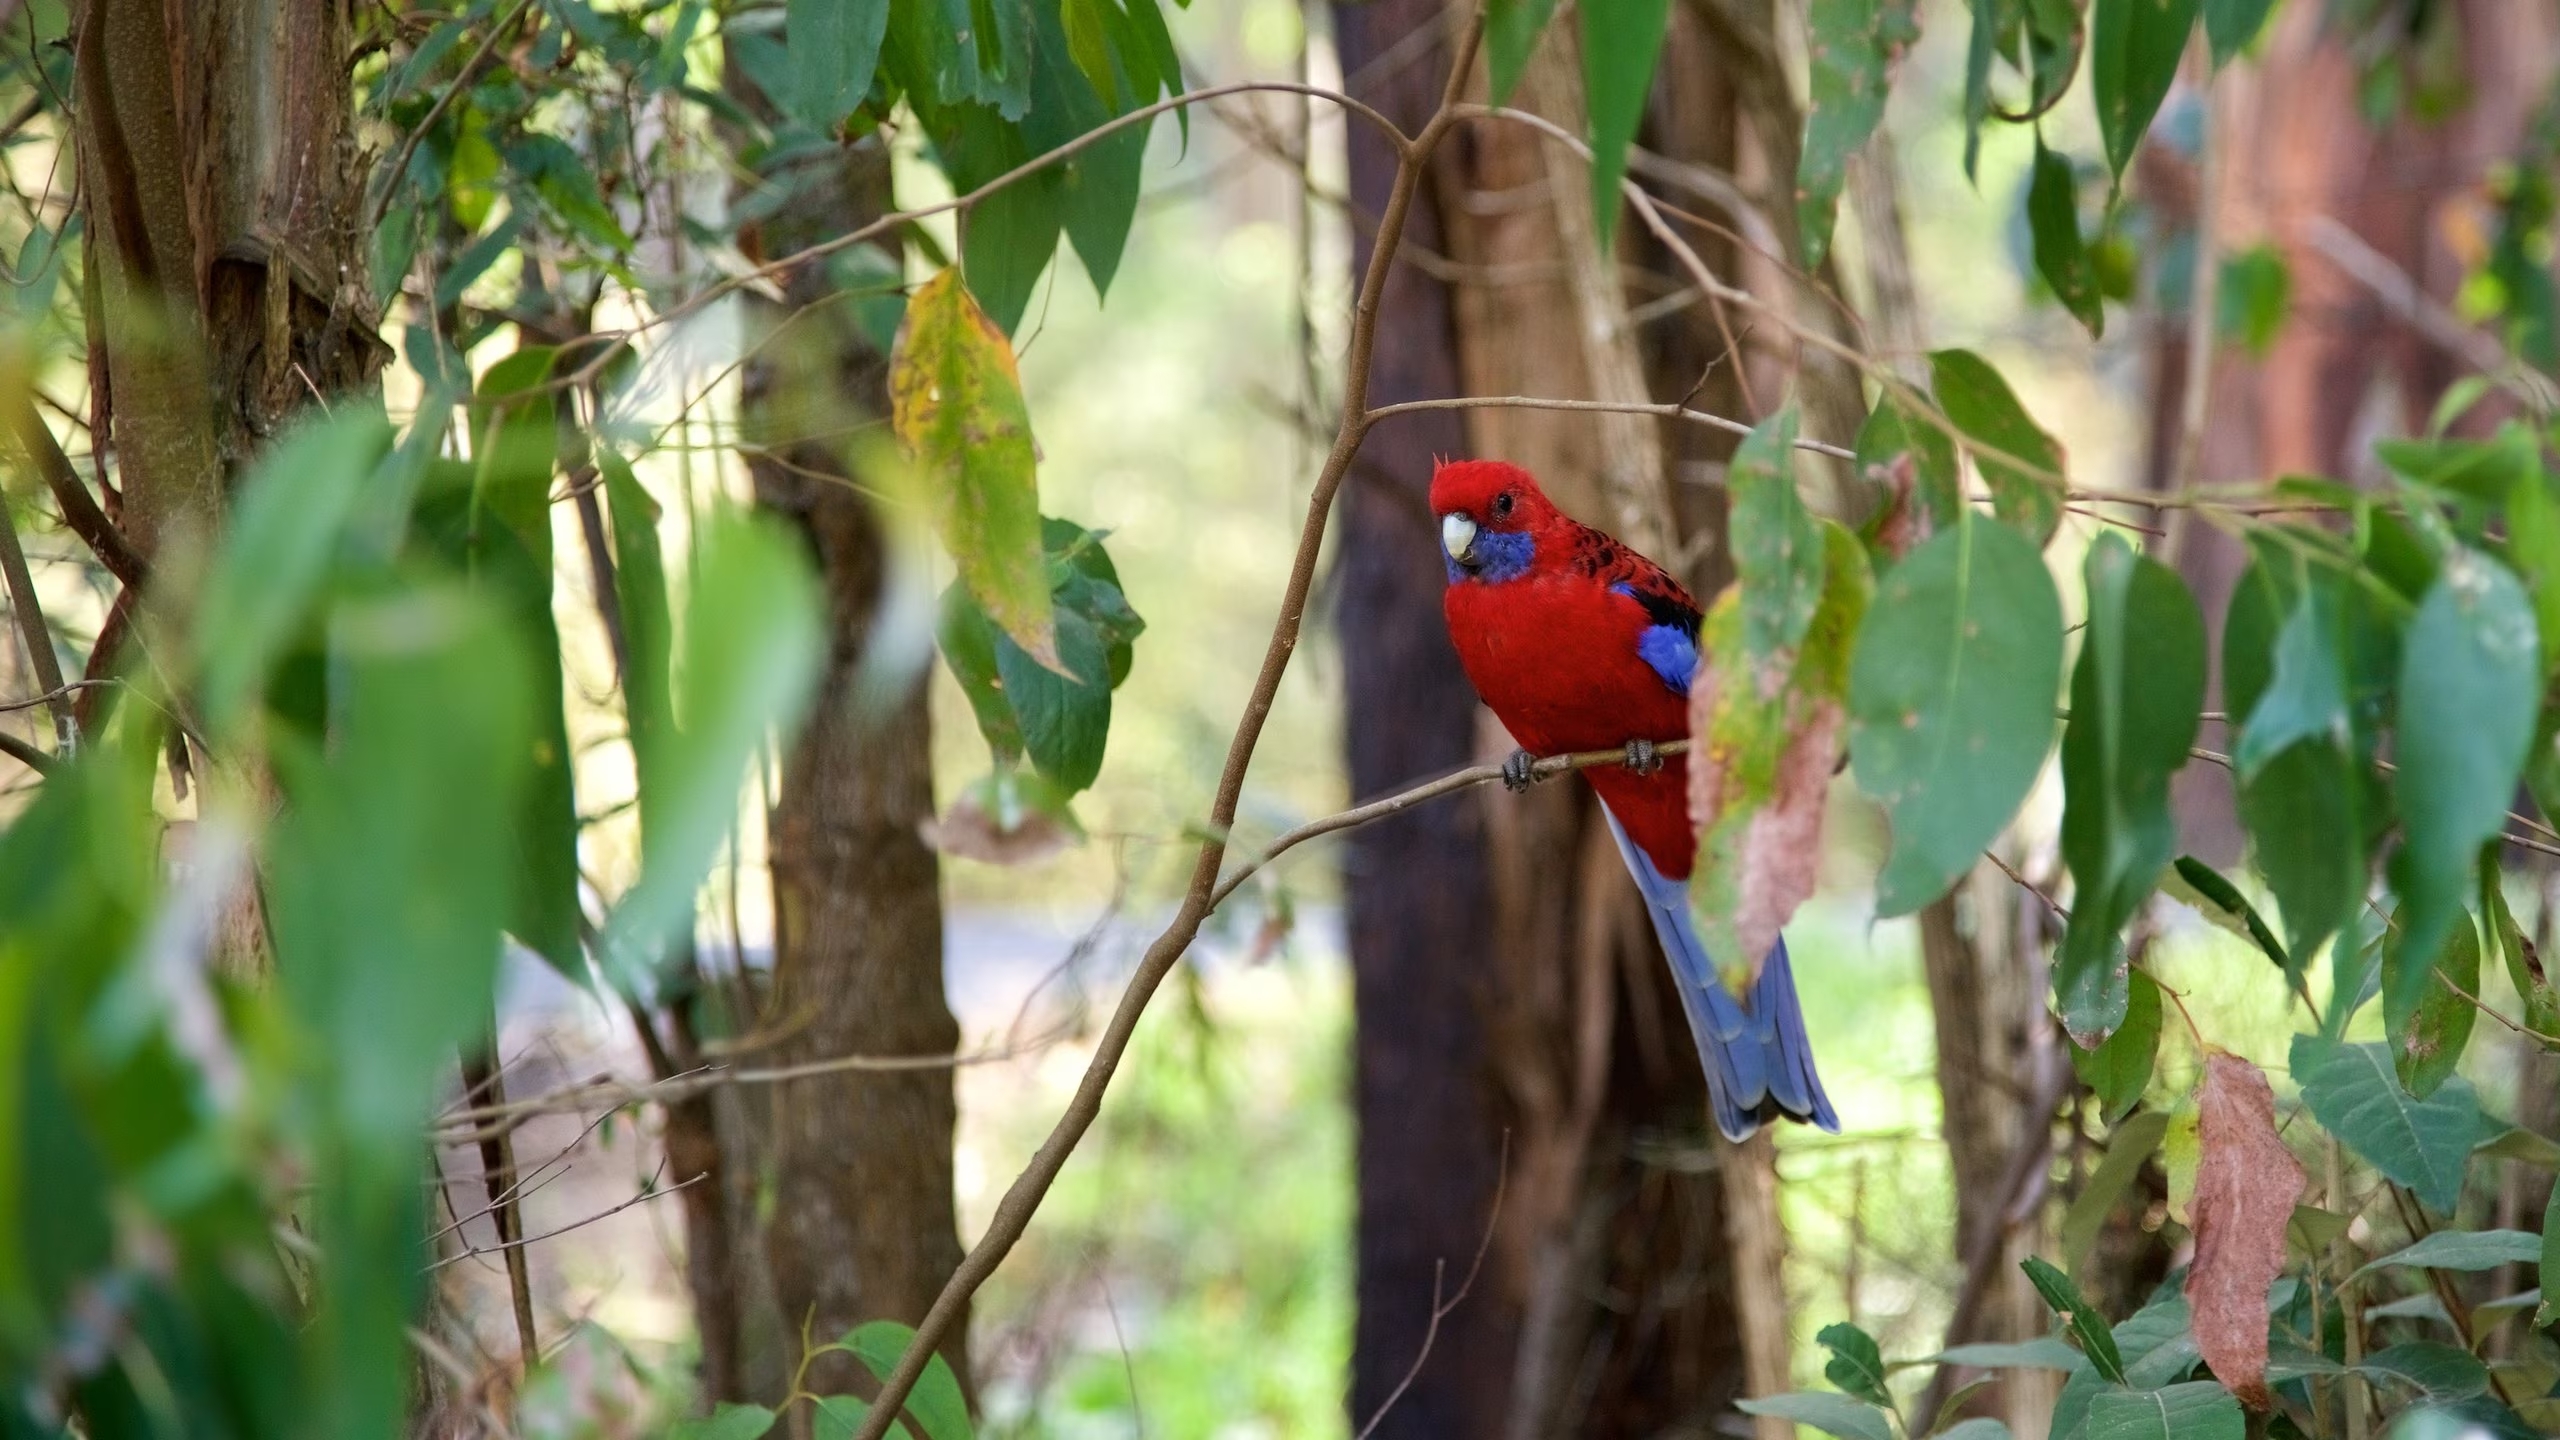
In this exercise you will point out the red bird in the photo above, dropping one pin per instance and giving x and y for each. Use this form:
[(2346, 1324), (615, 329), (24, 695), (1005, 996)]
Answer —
[(1578, 643)]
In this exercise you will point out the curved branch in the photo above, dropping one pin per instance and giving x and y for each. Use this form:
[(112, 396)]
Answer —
[(1613, 407), (1022, 1199)]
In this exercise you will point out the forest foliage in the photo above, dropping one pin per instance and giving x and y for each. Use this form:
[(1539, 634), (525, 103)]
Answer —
[(211, 1200)]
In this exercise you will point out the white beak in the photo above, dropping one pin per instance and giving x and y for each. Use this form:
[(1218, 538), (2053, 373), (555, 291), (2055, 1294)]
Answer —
[(1457, 536)]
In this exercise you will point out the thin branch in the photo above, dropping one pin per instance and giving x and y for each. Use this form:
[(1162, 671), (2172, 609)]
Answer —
[(2029, 1165), (1609, 407), (80, 513), (63, 691), (1443, 1309), (2401, 293), (25, 754), (643, 1198), (462, 81), (37, 636), (1013, 1214)]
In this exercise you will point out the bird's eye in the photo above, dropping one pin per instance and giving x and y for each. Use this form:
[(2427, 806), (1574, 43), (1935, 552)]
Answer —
[(1502, 505)]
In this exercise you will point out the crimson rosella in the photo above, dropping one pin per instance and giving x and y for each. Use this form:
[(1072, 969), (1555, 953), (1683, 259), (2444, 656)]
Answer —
[(1578, 643)]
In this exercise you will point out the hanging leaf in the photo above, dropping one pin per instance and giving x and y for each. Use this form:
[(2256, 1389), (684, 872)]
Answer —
[(1911, 463), (2080, 1320), (2470, 686), (2246, 1186), (2422, 1144), (2523, 959), (956, 404), (1854, 46), (1007, 238), (2135, 698), (2427, 1022), (1621, 40), (2026, 487), (1951, 693), (2134, 47), (2194, 883), (1511, 32), (1777, 548), (1767, 730), (1990, 19), (2229, 26), (1856, 1365), (2062, 258), (2129, 1145), (1097, 187), (834, 47), (2119, 1069)]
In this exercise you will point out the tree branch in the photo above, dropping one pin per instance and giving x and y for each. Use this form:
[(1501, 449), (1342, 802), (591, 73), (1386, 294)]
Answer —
[(79, 512), (37, 636), (1605, 407), (1014, 1213)]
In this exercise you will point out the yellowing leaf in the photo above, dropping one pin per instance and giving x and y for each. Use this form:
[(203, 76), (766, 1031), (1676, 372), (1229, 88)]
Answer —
[(956, 404), (1768, 731), (2246, 1183)]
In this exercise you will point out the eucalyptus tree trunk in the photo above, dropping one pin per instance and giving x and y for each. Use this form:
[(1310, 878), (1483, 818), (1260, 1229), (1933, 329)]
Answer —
[(862, 1222)]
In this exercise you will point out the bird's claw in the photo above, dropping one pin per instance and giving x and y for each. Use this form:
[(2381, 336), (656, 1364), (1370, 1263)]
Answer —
[(1519, 772), (1642, 758)]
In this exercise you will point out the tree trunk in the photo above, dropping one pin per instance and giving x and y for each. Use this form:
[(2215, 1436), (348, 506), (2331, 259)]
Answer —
[(1511, 1000), (1431, 1127), (863, 1222)]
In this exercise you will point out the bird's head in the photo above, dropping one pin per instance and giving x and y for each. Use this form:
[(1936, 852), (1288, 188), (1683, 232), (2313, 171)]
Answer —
[(1492, 517)]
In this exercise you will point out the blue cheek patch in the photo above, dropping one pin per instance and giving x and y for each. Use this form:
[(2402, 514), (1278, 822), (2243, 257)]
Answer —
[(1671, 654), (1500, 555)]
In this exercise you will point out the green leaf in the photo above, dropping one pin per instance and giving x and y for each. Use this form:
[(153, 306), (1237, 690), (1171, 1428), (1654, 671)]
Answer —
[(2306, 697), (1951, 696), (2429, 1024), (648, 627), (2134, 47), (1777, 548), (1980, 1427), (834, 47), (729, 1422), (1087, 33), (1008, 238), (968, 639), (2119, 1069), (559, 174), (1856, 1365), (2470, 687), (2255, 291), (515, 427), (1621, 40), (2422, 1144), (936, 1402), (1065, 721), (2195, 883), (1831, 1414), (1987, 413), (2229, 26), (956, 403), (2157, 1342), (2533, 547), (840, 1417), (2548, 1313), (1097, 187), (285, 530), (1990, 19), (753, 637), (2132, 1143), (1912, 463), (2048, 1353), (2435, 1369), (2523, 961), (2079, 1319), (1854, 46), (2062, 258), (2462, 1250), (2135, 699), (1511, 31), (2196, 1410)]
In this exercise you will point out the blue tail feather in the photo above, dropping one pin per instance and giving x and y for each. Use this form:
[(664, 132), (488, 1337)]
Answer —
[(1758, 1060)]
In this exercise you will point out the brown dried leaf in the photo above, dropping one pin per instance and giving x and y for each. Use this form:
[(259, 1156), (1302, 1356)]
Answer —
[(2246, 1185)]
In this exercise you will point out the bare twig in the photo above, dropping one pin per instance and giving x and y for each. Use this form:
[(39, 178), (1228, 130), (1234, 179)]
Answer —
[(25, 754), (2021, 1189), (67, 689), (644, 1197), (1014, 1212), (1442, 1309), (1606, 407), (498, 1176), (36, 635)]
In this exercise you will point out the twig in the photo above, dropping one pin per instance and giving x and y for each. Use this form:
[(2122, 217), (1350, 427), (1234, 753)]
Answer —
[(462, 81), (79, 512), (1443, 1309), (498, 1176), (38, 638), (2547, 1042), (25, 754), (68, 688), (645, 1196), (1611, 407), (1023, 1199), (2401, 293), (2049, 902), (2027, 1165)]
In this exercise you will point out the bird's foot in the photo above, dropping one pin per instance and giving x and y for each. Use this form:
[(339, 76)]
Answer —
[(1519, 772), (1642, 758)]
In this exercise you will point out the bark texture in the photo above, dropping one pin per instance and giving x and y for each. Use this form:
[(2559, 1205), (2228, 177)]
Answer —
[(863, 1224)]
